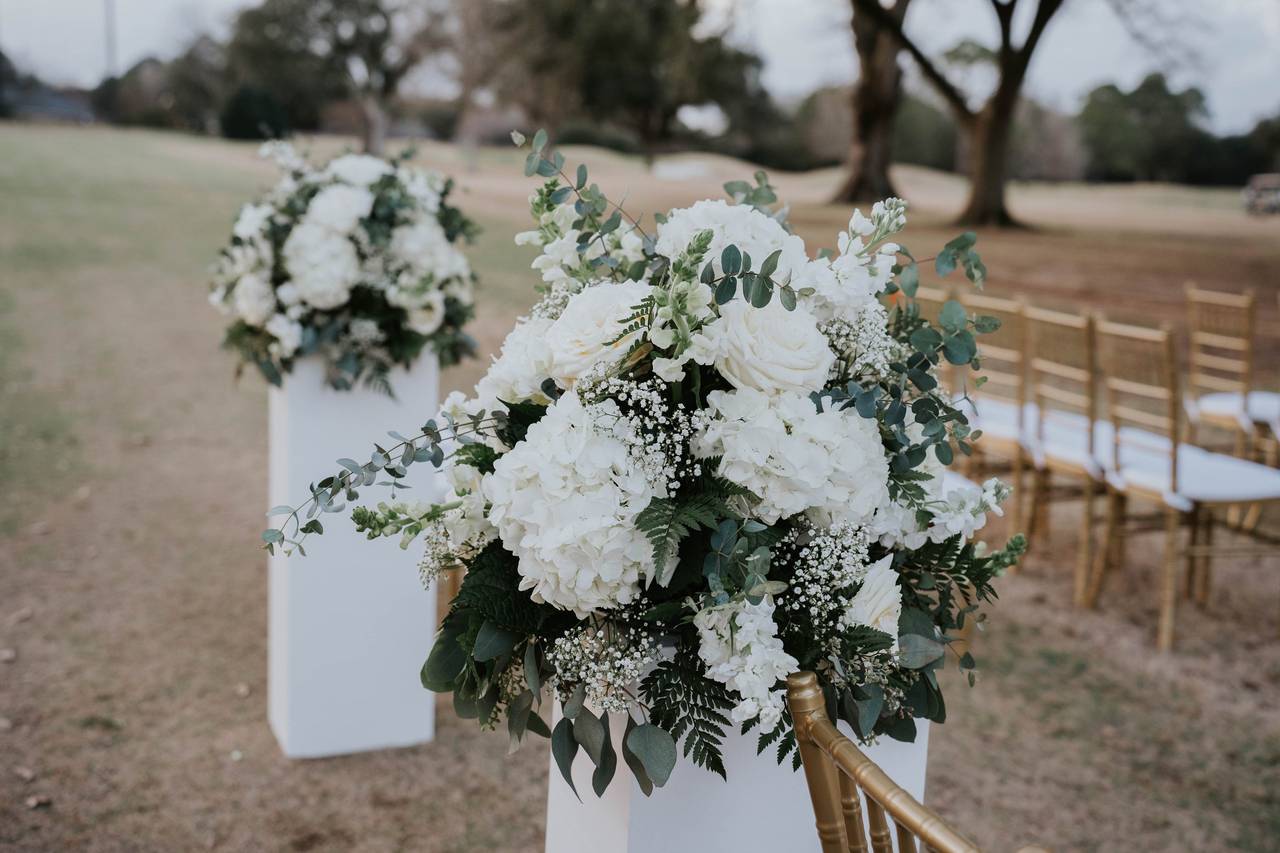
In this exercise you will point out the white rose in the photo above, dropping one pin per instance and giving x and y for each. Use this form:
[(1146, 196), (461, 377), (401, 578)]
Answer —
[(770, 349), (429, 316), (583, 335), (878, 603), (339, 207), (255, 300), (358, 169)]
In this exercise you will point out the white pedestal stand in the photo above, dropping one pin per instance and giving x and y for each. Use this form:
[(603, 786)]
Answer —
[(763, 806), (349, 624)]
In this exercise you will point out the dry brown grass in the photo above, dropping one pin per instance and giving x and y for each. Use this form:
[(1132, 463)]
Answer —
[(132, 591)]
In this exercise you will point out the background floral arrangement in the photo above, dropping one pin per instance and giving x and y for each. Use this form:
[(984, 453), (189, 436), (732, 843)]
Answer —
[(702, 462), (356, 261)]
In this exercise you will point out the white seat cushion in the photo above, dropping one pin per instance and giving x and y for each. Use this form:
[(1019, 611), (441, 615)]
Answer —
[(1064, 438), (1264, 407), (997, 417), (1203, 476)]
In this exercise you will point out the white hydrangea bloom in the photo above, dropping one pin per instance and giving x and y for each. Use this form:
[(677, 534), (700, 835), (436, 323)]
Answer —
[(254, 298), (739, 644), (424, 247), (565, 500), (878, 602), (517, 373), (287, 333), (339, 208), (739, 225), (322, 265), (829, 464), (769, 349), (425, 186), (584, 334), (359, 170)]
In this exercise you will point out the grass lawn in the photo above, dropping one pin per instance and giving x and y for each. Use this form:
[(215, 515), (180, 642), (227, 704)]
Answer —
[(133, 593)]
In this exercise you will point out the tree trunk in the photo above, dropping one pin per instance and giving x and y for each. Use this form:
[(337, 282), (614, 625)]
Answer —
[(375, 125), (875, 104), (988, 142)]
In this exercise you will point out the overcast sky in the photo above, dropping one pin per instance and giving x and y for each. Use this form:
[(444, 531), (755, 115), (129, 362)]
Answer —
[(805, 44)]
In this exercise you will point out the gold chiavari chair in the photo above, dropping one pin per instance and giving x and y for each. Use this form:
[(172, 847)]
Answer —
[(841, 777), (1065, 434), (999, 407), (1150, 461), (1220, 378), (1220, 352)]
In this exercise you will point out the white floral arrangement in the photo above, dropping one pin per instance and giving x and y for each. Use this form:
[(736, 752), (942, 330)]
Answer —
[(357, 261), (702, 462)]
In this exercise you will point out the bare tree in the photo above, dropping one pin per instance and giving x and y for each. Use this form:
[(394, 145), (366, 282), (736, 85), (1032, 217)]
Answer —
[(875, 104), (989, 127)]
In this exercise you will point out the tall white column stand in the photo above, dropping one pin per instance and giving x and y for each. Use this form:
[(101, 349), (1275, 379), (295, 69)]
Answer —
[(763, 807), (349, 624)]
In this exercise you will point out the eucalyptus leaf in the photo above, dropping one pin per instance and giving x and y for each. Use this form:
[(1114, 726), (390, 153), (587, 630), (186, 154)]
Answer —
[(656, 750), (564, 749), (493, 641)]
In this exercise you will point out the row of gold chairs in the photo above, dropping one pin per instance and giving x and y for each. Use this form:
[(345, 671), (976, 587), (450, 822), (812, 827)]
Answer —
[(1101, 404)]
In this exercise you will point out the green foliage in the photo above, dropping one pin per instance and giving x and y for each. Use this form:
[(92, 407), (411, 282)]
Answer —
[(689, 706), (667, 521)]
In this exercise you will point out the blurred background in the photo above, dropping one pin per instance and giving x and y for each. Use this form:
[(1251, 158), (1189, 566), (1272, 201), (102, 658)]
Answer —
[(1105, 151)]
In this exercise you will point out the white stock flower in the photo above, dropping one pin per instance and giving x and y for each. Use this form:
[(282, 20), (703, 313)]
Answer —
[(339, 208), (769, 349), (323, 265), (468, 525), (564, 501), (878, 602), (583, 335), (359, 170), (288, 335), (518, 372), (740, 225), (254, 298), (740, 646), (795, 459)]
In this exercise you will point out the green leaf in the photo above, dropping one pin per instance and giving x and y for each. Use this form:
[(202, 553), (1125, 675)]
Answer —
[(770, 263), (915, 651), (726, 289), (582, 176), (445, 662), (517, 138), (564, 748), (731, 260), (633, 761), (788, 297), (757, 289), (869, 709), (952, 316), (531, 675), (926, 339), (589, 731), (607, 766), (493, 641), (909, 279), (656, 750), (540, 140), (537, 725), (573, 707)]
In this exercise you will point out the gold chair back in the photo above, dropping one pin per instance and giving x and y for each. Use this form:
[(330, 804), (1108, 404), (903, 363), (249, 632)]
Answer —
[(841, 777), (1139, 370), (1220, 328), (1062, 369), (1004, 360)]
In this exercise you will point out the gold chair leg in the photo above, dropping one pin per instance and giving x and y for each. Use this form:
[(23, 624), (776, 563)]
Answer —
[(1084, 555), (1106, 550), (1169, 581), (1205, 571), (1192, 557), (1019, 465)]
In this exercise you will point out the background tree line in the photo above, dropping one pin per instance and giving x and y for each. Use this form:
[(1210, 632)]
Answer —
[(623, 73)]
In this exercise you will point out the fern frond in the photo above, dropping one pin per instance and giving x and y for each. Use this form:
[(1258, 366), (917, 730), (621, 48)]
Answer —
[(667, 521)]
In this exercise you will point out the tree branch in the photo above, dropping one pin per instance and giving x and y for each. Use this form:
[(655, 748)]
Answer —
[(883, 17)]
